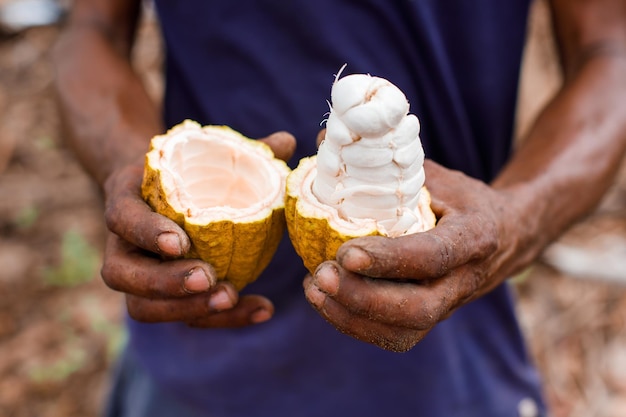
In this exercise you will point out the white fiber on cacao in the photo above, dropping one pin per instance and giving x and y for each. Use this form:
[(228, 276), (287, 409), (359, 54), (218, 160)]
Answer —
[(370, 163)]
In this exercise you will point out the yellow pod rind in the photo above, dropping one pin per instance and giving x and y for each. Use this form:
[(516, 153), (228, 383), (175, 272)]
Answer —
[(312, 235), (317, 231), (238, 249)]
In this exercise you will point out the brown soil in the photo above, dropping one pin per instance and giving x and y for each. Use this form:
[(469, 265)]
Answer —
[(60, 326)]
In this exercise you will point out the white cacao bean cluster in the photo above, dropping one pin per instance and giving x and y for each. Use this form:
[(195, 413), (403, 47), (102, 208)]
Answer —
[(370, 164)]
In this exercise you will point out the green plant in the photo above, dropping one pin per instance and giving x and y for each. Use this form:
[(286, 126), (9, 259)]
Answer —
[(26, 217), (73, 359), (79, 262)]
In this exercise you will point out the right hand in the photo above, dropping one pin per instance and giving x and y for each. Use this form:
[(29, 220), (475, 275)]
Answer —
[(144, 258)]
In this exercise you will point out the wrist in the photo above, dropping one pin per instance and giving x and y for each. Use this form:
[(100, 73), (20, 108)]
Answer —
[(526, 225)]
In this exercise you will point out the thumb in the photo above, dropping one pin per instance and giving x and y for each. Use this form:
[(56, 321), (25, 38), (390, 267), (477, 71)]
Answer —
[(283, 144)]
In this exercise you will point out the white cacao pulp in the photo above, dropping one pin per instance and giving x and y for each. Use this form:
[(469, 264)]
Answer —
[(370, 163)]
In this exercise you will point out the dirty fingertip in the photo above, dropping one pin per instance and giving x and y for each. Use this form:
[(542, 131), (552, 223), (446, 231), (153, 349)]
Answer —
[(197, 280), (220, 300), (261, 315), (354, 258), (171, 244), (314, 295), (326, 279)]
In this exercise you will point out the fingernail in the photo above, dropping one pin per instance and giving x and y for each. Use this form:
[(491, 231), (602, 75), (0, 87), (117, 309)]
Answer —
[(315, 296), (327, 279), (356, 259), (260, 315), (197, 281), (220, 300), (169, 244)]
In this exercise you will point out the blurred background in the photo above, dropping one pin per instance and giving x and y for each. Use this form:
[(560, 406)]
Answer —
[(60, 328)]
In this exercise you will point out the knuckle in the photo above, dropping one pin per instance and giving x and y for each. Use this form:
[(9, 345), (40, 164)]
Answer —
[(374, 309), (469, 287), (370, 302), (111, 217), (487, 240), (426, 315), (426, 321), (442, 264), (110, 275)]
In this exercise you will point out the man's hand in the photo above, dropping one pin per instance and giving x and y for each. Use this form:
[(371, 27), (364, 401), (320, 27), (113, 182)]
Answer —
[(144, 259), (110, 118), (392, 291)]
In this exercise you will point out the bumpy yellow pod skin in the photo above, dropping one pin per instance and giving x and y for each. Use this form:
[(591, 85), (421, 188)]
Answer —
[(238, 249), (316, 231), (313, 238)]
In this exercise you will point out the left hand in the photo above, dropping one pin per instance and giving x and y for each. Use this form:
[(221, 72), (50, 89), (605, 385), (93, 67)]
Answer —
[(392, 291), (145, 259)]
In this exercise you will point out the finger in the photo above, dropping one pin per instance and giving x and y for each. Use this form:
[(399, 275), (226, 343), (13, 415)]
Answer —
[(128, 269), (128, 216), (198, 311), (283, 144), (251, 309), (452, 243), (404, 304), (388, 337)]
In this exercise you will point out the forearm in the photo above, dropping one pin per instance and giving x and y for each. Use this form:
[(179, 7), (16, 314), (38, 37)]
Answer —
[(108, 114), (571, 155)]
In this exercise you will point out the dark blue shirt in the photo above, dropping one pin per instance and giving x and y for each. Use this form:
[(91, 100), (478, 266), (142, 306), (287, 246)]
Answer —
[(266, 65)]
